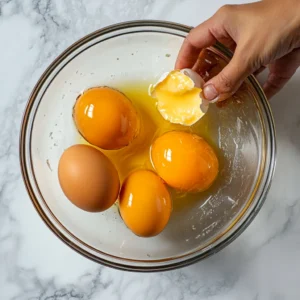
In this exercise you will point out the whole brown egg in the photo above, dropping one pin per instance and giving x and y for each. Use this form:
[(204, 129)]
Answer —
[(88, 178)]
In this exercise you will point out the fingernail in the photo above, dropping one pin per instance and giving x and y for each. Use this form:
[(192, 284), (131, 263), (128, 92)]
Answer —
[(210, 92)]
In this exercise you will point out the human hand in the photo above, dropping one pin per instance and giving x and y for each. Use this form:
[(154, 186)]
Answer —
[(260, 34)]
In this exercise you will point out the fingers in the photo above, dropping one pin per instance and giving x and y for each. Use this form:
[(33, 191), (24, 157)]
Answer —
[(281, 72), (205, 35), (228, 42), (187, 56), (274, 84), (259, 70), (229, 79), (200, 37)]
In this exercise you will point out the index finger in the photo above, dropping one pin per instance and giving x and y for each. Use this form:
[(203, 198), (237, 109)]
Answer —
[(200, 37)]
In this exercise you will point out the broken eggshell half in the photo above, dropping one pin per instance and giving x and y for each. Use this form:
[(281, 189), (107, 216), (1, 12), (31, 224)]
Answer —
[(179, 97)]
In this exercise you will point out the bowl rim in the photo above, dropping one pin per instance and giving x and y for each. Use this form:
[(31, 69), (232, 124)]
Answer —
[(183, 261)]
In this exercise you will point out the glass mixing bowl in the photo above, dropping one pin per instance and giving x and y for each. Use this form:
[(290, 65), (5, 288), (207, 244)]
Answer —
[(242, 128)]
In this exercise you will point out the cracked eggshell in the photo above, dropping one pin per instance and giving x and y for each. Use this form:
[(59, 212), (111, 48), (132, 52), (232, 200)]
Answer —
[(198, 82)]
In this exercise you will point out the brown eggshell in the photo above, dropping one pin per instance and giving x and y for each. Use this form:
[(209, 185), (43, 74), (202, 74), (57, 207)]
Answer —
[(88, 178)]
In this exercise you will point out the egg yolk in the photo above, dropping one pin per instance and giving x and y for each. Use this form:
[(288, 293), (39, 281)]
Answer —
[(145, 203), (178, 100), (184, 161), (106, 118)]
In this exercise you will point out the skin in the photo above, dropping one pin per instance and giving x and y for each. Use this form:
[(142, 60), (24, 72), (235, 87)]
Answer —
[(262, 34)]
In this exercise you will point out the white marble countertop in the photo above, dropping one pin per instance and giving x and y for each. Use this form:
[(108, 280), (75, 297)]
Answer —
[(263, 263)]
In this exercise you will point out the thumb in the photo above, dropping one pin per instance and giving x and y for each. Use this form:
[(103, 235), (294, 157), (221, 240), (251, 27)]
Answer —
[(223, 85)]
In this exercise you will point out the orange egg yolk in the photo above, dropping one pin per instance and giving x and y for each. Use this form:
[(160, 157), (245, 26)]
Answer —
[(106, 118), (185, 161), (145, 203)]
